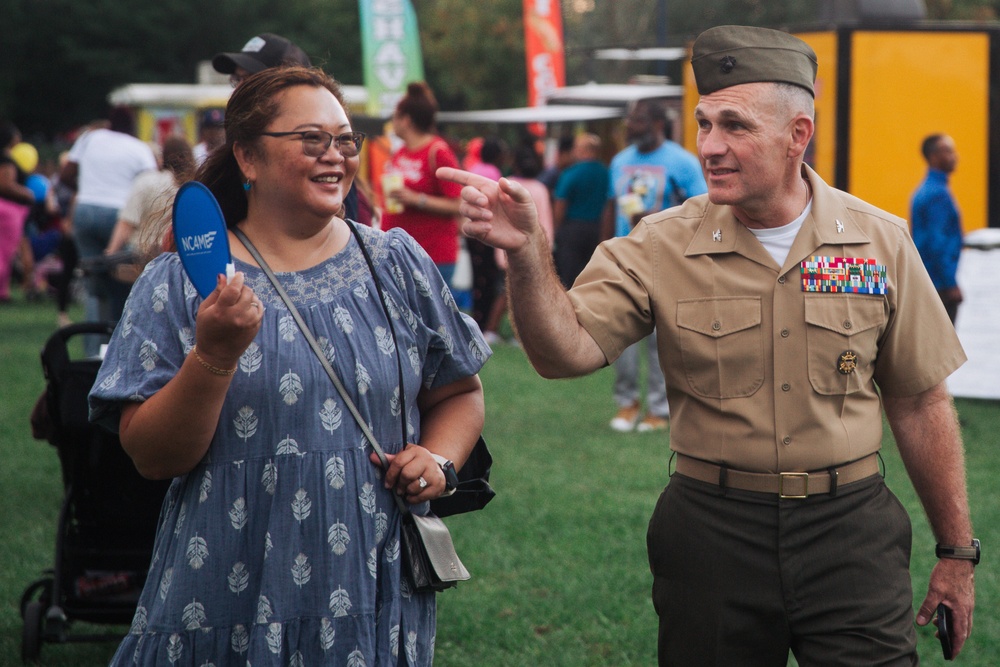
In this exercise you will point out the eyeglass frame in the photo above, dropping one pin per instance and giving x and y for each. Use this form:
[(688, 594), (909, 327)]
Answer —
[(355, 138)]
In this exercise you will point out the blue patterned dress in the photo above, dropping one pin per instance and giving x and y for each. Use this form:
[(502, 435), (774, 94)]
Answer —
[(282, 546)]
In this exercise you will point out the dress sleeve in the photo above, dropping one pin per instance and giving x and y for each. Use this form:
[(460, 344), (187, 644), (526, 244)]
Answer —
[(148, 346), (453, 344)]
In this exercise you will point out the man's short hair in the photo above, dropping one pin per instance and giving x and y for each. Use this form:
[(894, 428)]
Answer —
[(930, 145), (654, 109)]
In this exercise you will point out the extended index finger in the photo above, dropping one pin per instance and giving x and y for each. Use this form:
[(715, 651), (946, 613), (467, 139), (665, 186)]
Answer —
[(462, 177)]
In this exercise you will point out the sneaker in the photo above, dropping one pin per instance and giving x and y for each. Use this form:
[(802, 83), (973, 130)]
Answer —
[(626, 418), (652, 423)]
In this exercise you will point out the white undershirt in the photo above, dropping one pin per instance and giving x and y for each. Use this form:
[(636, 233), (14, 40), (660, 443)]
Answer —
[(778, 240)]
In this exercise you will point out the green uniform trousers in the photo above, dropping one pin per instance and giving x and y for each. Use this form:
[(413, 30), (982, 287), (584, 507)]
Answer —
[(742, 578)]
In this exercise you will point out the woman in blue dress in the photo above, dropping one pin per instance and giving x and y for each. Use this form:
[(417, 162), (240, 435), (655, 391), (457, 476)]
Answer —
[(279, 541)]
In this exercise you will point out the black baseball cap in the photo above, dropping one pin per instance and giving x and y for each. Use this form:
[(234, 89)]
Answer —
[(263, 51)]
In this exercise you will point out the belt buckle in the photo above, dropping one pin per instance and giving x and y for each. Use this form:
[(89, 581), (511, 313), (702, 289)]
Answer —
[(804, 476)]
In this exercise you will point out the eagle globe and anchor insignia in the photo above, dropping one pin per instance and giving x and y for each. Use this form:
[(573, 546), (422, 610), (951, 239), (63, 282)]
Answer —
[(847, 363)]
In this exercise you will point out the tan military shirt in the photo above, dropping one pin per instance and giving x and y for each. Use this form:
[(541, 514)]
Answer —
[(763, 375)]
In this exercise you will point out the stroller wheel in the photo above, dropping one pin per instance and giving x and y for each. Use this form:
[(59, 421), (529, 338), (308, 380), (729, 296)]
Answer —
[(43, 585), (31, 637)]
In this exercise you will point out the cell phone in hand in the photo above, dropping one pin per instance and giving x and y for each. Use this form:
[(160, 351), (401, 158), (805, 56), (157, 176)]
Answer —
[(944, 629)]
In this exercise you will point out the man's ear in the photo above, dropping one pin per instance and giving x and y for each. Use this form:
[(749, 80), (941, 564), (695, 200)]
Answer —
[(802, 129)]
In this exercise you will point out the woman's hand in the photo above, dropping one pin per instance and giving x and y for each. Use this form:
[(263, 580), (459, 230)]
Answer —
[(405, 196), (413, 473), (228, 320)]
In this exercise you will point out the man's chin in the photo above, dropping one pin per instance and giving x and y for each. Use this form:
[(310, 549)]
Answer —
[(720, 196)]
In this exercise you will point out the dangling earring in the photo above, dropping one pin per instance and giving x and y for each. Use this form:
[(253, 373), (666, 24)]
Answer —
[(247, 185)]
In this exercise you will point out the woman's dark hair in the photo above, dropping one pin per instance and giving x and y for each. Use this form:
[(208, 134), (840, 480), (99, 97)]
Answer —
[(252, 107), (419, 104)]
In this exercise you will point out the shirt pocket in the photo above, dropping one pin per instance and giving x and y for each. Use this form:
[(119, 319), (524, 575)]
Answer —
[(842, 335), (722, 347)]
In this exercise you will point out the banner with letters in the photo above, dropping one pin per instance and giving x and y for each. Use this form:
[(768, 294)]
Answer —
[(390, 45)]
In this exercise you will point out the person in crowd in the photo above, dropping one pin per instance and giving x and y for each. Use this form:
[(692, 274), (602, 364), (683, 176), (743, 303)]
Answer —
[(492, 156), (211, 134), (279, 539), (525, 167), (145, 220), (776, 532), (259, 53), (102, 165), (936, 222), (16, 200), (417, 200), (42, 227), (652, 173), (579, 203), (49, 243), (549, 176)]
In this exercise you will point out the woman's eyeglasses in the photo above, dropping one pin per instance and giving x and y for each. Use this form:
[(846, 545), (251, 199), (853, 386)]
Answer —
[(315, 143)]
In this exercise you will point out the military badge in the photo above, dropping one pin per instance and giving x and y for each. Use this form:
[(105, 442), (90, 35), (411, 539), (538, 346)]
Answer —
[(847, 363)]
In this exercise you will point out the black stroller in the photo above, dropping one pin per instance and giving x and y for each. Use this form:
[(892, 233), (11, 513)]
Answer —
[(107, 522)]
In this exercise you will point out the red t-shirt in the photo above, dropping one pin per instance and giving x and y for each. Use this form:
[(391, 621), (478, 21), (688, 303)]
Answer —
[(437, 234)]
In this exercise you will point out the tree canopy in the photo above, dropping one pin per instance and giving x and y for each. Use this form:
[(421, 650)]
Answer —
[(63, 57)]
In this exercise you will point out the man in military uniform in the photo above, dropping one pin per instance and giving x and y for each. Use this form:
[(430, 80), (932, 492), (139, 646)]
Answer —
[(788, 314)]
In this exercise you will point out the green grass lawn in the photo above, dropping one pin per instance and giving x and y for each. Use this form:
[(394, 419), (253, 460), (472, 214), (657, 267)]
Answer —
[(558, 559)]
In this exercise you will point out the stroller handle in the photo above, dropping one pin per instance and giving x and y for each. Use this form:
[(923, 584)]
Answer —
[(55, 356)]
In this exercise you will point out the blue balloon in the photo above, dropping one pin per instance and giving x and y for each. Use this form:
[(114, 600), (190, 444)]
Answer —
[(39, 185)]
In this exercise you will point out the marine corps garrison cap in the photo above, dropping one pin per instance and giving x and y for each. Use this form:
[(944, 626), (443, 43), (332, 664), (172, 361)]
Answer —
[(729, 55)]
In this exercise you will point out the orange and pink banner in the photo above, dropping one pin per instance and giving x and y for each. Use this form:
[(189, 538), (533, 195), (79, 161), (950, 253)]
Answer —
[(543, 47)]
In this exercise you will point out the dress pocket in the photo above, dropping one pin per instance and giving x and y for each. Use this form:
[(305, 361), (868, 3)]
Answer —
[(722, 348), (842, 339)]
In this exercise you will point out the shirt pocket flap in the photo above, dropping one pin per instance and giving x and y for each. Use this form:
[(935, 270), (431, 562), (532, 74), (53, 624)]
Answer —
[(846, 315), (718, 317)]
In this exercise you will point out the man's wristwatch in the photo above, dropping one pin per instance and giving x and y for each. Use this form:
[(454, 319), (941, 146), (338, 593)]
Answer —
[(450, 475), (959, 553)]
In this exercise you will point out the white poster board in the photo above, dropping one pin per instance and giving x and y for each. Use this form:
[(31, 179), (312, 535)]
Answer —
[(978, 322)]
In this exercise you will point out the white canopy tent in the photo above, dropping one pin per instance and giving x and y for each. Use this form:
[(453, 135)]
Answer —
[(541, 114), (613, 94), (197, 95)]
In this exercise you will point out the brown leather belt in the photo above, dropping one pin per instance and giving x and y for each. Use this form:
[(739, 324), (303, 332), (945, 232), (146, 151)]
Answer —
[(784, 484)]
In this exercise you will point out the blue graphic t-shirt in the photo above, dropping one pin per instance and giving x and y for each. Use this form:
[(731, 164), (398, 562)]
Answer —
[(646, 182)]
